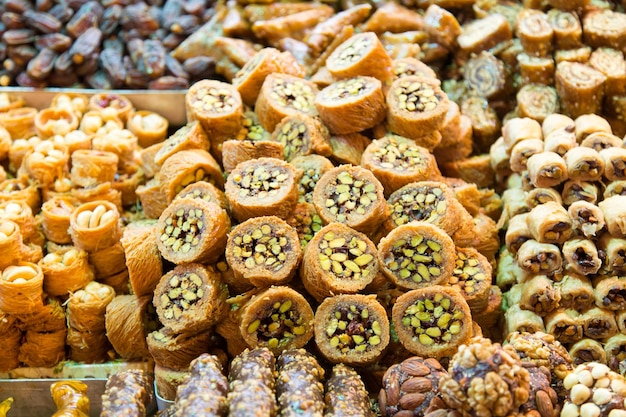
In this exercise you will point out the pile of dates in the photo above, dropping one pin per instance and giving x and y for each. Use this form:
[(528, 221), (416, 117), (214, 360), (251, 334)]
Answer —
[(99, 44)]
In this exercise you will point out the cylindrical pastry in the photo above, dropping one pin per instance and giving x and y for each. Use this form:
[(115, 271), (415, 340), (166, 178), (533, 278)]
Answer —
[(614, 210), (351, 105), (587, 350), (142, 257), (177, 350), (251, 383), (416, 108), (190, 298), (119, 141), (351, 195), (306, 221), (615, 348), (575, 191), (217, 106), (19, 212), (263, 251), (92, 167), (108, 261), (583, 164), (167, 381), (523, 150), (21, 288), (249, 79), (539, 258), (65, 271), (43, 349), (352, 329), (262, 187), (204, 390), (88, 347), (346, 394), (590, 123), (49, 318), (205, 191), (534, 32), (576, 292), (560, 140), (614, 163), (614, 250), (580, 88), (115, 104), (127, 322), (566, 25), (536, 69), (300, 135), (549, 223), (416, 255), (397, 161), (517, 233), (148, 126), (338, 260), (487, 76), (299, 387), (519, 129), (538, 196), (95, 225), (472, 277), (361, 55), (70, 398), (566, 325), (540, 295), (611, 63), (12, 338), (192, 230), (518, 320), (102, 192), (86, 308), (599, 323), (278, 318), (10, 243), (581, 256), (189, 136), (46, 163), (615, 188), (129, 392), (601, 140), (284, 95), (20, 122), (310, 169), (586, 217), (432, 321), (55, 218), (187, 167), (546, 169), (537, 101), (608, 293)]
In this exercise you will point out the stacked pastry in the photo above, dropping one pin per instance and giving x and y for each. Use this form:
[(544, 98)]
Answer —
[(564, 239)]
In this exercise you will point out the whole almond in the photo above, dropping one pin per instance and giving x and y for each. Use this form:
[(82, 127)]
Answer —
[(415, 368), (544, 404), (412, 401), (417, 384)]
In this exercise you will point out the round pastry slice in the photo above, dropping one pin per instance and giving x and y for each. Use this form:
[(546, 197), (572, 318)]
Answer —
[(361, 55), (95, 225), (351, 329), (351, 105), (302, 135), (472, 277), (432, 322)]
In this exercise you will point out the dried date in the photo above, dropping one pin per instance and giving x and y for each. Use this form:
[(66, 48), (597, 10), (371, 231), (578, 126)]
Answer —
[(21, 54), (63, 63), (17, 6), (185, 24), (195, 7), (175, 68), (153, 58), (42, 21), (24, 80), (111, 19), (172, 10), (58, 42), (86, 17), (138, 17), (199, 66), (12, 20), (86, 45), (168, 82), (44, 5), (98, 80), (111, 61), (18, 36), (114, 43), (62, 12), (40, 67), (88, 66), (62, 80)]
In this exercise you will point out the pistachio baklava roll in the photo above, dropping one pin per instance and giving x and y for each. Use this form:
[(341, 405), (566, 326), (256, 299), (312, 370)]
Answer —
[(301, 134), (615, 348), (129, 392), (284, 95), (306, 221), (352, 329), (235, 151), (560, 140), (397, 161), (432, 321), (205, 191), (189, 136), (416, 108), (177, 350), (614, 163), (587, 218), (310, 169), (614, 251), (573, 191), (614, 210), (617, 187), (204, 390), (249, 79), (127, 322), (65, 271), (10, 243), (601, 140), (416, 255), (523, 150), (338, 260), (538, 196), (584, 164), (70, 398), (609, 292), (55, 218), (167, 380), (549, 223), (251, 384), (566, 325), (217, 106), (351, 105), (472, 277), (192, 230), (362, 54), (599, 323), (148, 126), (190, 298), (517, 233), (262, 187), (21, 288), (590, 123), (539, 258), (187, 167), (346, 394), (519, 129), (95, 225), (142, 257), (546, 169), (587, 350), (263, 251), (576, 292), (581, 256), (518, 320), (351, 195), (540, 295)]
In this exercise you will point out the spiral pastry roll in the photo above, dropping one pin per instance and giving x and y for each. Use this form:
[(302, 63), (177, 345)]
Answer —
[(204, 390), (128, 320), (518, 320), (251, 383), (538, 196), (338, 260), (549, 223), (95, 225), (599, 323), (614, 211), (534, 32), (148, 126), (128, 393), (536, 69), (55, 218), (576, 292), (472, 277), (587, 350), (70, 398), (189, 136), (299, 387), (432, 322), (580, 88), (189, 298), (65, 271), (310, 169), (284, 95), (581, 256), (10, 243), (301, 135), (584, 164), (397, 161), (416, 255), (21, 288), (611, 63), (615, 188), (537, 101), (46, 163), (588, 124), (546, 169), (486, 75), (566, 25), (192, 230), (187, 167), (352, 329), (417, 107), (603, 28), (519, 129), (176, 350), (539, 258), (260, 187), (540, 295), (523, 150)]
